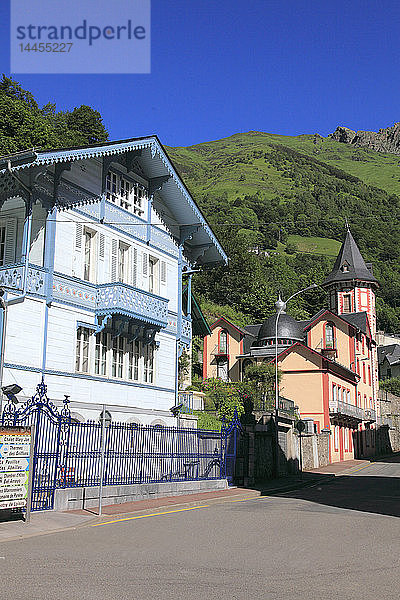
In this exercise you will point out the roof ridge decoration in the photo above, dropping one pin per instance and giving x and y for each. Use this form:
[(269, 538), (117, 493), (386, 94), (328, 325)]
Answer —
[(349, 264)]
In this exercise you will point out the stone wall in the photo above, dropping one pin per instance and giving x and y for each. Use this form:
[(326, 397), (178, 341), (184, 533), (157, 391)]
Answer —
[(315, 450)]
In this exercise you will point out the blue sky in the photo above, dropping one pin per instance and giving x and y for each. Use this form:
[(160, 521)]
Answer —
[(220, 67)]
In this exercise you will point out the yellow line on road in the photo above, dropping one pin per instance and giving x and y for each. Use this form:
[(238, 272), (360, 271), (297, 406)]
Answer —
[(359, 469), (250, 498), (167, 512)]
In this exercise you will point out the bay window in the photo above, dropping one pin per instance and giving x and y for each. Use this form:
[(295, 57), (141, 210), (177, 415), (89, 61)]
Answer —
[(108, 356)]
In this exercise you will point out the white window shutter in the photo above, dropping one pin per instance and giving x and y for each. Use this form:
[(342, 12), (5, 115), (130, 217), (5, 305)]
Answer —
[(163, 268), (101, 255), (77, 264), (11, 241), (145, 261), (78, 236), (134, 255), (101, 245), (114, 259)]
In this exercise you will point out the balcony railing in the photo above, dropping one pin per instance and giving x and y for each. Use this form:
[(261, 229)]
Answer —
[(346, 410), (124, 299), (12, 276), (186, 329), (107, 298), (370, 414)]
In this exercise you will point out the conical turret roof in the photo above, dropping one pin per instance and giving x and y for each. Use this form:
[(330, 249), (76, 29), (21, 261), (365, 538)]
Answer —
[(349, 264)]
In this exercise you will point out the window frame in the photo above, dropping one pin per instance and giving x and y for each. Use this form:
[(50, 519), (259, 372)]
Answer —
[(126, 193)]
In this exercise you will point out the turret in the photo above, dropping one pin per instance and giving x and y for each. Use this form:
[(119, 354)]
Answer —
[(351, 284)]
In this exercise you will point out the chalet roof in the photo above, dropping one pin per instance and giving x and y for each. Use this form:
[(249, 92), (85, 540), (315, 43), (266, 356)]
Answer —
[(228, 322), (359, 320), (390, 353), (172, 199), (350, 265)]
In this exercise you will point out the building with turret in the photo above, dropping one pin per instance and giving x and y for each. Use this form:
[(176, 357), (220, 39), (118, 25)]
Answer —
[(328, 363)]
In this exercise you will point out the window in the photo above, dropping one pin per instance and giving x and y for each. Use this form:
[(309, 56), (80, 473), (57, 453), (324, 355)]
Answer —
[(222, 369), (125, 193), (82, 350), (8, 236), (348, 397), (153, 275), (345, 267), (336, 437), (364, 375), (2, 244), (89, 264), (223, 342), (369, 375), (346, 439), (148, 363), (117, 356), (329, 336), (123, 253), (133, 349), (346, 303), (334, 393), (100, 359)]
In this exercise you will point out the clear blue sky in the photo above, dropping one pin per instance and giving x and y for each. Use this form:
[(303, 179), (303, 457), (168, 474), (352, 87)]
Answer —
[(225, 66)]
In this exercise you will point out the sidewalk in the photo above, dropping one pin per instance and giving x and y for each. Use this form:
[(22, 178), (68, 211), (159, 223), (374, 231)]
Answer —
[(46, 522)]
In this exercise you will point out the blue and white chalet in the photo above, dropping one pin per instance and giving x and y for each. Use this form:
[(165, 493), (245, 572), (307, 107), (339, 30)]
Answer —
[(93, 244)]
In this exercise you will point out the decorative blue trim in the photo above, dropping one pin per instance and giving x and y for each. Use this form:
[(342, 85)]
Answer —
[(87, 325), (57, 156), (144, 386)]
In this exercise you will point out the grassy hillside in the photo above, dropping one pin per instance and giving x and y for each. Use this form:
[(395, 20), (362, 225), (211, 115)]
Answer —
[(294, 194), (376, 169), (314, 245)]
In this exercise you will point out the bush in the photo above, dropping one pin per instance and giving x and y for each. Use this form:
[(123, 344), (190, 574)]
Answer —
[(391, 385)]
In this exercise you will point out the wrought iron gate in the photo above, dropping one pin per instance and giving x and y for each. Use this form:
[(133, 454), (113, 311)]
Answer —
[(235, 451), (50, 431)]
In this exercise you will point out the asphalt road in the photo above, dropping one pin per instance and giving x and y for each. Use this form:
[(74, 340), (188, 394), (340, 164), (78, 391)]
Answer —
[(340, 540)]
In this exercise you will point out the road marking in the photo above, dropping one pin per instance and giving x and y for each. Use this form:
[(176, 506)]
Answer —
[(360, 468), (250, 498), (167, 512)]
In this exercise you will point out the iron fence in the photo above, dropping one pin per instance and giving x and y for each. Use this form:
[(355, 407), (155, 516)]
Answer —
[(72, 454)]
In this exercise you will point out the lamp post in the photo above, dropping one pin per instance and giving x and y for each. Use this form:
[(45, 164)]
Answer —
[(280, 307)]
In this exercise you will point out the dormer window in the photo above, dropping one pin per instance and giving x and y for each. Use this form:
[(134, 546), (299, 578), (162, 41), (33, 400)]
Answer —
[(125, 193), (345, 267)]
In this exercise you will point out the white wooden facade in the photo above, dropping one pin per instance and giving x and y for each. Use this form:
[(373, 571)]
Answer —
[(93, 243)]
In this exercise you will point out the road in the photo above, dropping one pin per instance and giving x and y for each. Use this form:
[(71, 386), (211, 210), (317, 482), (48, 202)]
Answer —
[(338, 540)]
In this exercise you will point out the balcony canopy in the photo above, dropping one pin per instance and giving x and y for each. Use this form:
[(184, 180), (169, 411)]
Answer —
[(41, 173)]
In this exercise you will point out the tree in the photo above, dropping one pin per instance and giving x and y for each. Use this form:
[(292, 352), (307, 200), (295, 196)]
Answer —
[(225, 397), (24, 125), (262, 378)]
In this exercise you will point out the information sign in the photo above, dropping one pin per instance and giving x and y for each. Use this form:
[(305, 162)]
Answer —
[(15, 452)]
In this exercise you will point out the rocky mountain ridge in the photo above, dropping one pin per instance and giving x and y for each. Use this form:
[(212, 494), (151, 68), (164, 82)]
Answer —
[(384, 140)]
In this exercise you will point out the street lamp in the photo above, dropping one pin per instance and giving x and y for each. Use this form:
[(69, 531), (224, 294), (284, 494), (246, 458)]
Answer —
[(280, 307)]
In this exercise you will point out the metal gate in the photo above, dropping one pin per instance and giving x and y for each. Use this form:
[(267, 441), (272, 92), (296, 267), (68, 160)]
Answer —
[(235, 451), (50, 428)]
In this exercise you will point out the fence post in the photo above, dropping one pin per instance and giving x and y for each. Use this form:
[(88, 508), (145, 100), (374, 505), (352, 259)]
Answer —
[(103, 446)]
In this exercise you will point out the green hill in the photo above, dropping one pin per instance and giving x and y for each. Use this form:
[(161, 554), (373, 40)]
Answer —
[(265, 191)]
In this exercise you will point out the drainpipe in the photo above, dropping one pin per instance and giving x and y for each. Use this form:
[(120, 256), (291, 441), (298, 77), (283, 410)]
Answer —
[(26, 237)]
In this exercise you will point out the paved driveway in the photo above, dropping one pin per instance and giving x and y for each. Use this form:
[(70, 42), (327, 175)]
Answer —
[(339, 540)]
